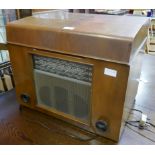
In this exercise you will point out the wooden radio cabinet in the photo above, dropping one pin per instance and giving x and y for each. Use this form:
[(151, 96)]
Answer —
[(81, 68)]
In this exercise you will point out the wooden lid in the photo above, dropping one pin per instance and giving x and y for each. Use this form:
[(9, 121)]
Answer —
[(113, 38)]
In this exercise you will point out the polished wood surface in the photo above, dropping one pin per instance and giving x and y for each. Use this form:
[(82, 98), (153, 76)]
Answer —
[(110, 91), (87, 45), (23, 128), (113, 38)]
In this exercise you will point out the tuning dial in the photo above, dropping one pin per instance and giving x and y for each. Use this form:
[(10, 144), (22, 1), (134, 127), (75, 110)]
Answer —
[(101, 125), (25, 98)]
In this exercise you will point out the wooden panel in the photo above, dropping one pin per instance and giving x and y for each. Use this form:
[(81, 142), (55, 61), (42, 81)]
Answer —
[(108, 93), (22, 72), (105, 39), (15, 129), (104, 44), (109, 96), (21, 59)]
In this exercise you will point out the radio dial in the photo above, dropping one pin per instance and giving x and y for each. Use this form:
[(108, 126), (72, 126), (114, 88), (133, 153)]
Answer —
[(101, 125), (25, 98)]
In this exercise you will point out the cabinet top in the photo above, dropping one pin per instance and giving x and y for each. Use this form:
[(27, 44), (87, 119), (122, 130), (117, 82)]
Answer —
[(108, 37)]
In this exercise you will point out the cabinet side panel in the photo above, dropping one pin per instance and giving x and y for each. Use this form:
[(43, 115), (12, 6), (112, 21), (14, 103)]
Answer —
[(133, 82), (22, 72)]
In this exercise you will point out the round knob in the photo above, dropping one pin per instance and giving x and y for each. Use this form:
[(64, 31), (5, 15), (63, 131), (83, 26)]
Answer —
[(101, 125), (25, 98)]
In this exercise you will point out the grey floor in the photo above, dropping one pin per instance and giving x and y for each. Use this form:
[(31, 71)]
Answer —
[(145, 101)]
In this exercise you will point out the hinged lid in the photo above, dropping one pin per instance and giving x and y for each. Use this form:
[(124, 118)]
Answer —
[(113, 38)]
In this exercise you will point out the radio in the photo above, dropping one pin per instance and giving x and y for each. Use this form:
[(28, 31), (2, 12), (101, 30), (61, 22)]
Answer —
[(82, 69)]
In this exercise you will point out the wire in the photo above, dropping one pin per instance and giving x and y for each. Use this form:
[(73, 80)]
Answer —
[(96, 136), (140, 134), (137, 110), (63, 132), (131, 124), (151, 124), (136, 121), (133, 121), (140, 112)]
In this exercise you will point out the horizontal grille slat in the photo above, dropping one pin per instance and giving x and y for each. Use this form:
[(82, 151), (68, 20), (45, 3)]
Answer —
[(64, 68)]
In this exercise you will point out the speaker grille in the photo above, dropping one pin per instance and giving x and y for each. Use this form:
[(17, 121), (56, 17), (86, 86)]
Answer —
[(61, 99), (65, 94)]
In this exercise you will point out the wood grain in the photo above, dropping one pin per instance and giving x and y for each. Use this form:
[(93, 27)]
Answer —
[(106, 44), (9, 114), (108, 93)]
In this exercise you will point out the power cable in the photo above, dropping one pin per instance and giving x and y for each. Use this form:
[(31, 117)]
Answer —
[(140, 134)]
